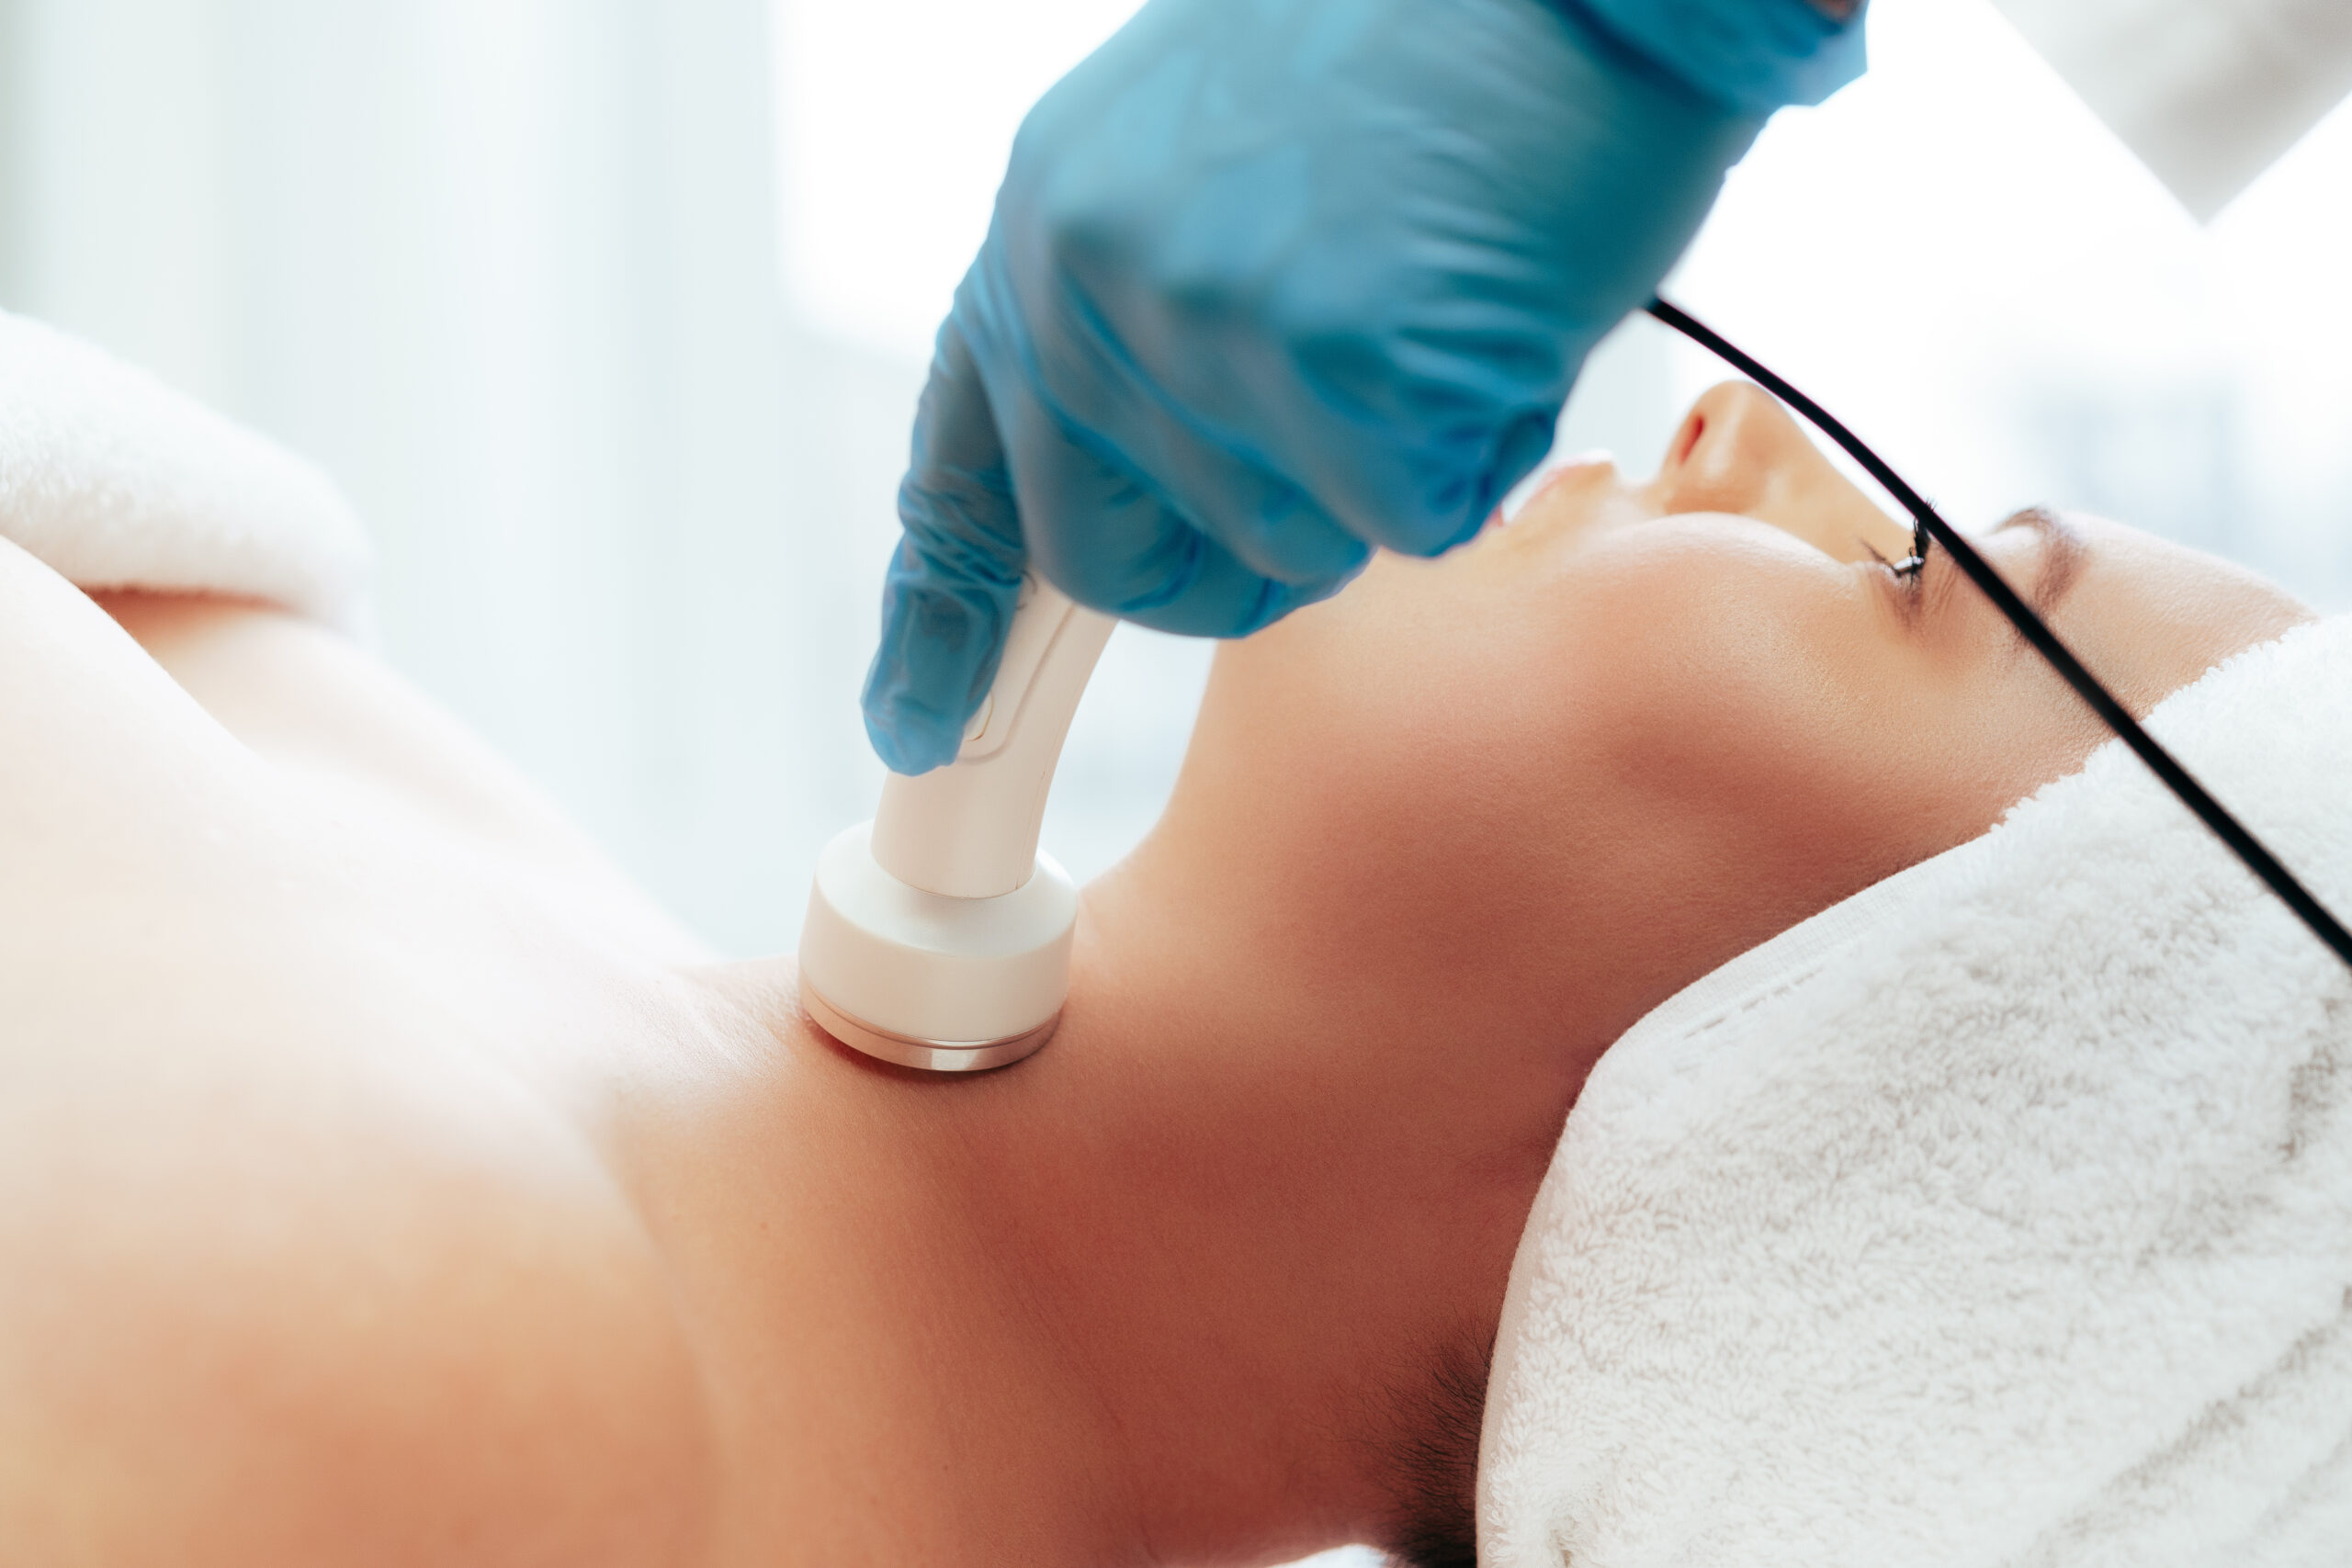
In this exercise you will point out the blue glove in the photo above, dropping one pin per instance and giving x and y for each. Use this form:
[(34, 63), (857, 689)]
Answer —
[(1273, 282)]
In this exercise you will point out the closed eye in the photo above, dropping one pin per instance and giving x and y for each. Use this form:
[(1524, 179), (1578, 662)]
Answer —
[(1922, 585), (1916, 590)]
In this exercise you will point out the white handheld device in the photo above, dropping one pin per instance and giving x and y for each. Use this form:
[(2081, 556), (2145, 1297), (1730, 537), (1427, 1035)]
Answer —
[(938, 936)]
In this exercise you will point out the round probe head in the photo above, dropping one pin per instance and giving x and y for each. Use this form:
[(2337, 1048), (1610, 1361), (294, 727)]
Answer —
[(938, 937), (930, 981)]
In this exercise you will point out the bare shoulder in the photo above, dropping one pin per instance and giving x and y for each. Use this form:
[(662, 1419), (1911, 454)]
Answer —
[(308, 1252), (335, 721)]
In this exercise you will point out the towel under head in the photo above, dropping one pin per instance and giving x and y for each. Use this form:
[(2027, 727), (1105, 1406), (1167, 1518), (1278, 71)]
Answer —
[(2002, 1214), (115, 481)]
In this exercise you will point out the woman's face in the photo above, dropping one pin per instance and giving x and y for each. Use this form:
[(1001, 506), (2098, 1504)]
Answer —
[(1546, 781)]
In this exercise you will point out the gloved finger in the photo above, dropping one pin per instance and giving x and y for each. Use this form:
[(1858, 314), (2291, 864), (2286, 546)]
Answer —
[(1062, 367), (947, 600), (1416, 454), (1520, 445), (1301, 490), (1269, 525), (1110, 541), (1211, 473)]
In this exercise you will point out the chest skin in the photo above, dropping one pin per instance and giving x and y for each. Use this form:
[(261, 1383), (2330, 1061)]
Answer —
[(314, 1025)]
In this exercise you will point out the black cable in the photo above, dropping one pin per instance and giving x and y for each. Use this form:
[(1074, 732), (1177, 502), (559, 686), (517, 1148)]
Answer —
[(2177, 779)]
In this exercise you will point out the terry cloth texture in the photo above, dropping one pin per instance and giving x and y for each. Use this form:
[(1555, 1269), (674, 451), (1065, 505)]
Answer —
[(2000, 1215), (115, 481)]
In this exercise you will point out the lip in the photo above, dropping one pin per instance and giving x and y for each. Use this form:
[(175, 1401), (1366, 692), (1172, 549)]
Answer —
[(1584, 468)]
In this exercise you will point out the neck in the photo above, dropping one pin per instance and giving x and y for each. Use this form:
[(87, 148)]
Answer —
[(1169, 1291)]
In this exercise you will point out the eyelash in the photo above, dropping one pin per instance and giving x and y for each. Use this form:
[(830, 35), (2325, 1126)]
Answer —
[(1907, 576), (1909, 570)]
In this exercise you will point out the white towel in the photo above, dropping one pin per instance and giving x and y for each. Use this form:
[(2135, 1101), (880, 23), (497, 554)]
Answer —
[(2001, 1214), (117, 481)]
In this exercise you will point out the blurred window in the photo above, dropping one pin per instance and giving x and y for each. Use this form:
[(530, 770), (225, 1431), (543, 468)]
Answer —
[(895, 118)]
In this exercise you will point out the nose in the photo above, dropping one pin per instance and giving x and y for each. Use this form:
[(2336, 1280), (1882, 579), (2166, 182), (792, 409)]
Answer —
[(1724, 457), (1739, 451)]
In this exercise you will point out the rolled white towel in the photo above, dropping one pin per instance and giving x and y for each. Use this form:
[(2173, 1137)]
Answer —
[(117, 481), (2000, 1215)]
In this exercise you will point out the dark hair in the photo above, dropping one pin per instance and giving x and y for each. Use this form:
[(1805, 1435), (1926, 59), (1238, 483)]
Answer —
[(1432, 1453)]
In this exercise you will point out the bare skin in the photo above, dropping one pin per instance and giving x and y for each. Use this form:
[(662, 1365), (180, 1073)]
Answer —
[(387, 1180)]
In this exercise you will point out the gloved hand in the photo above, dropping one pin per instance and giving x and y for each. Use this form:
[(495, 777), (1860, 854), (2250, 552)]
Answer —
[(1273, 282)]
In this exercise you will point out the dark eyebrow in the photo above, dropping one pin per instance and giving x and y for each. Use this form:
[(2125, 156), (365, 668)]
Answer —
[(2062, 553)]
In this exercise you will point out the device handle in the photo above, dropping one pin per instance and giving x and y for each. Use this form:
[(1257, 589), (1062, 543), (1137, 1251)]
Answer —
[(969, 830)]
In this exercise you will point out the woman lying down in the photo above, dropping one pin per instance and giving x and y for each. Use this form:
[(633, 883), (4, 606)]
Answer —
[(388, 1180)]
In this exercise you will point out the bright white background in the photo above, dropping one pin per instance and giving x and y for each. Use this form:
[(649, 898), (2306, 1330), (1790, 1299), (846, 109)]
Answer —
[(609, 315)]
